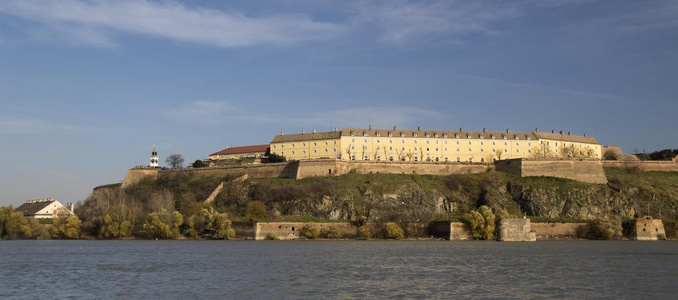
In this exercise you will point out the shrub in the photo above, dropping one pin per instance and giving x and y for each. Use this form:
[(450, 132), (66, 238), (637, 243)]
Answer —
[(255, 210), (610, 155), (416, 178), (364, 232), (272, 236), (393, 231), (603, 230), (310, 231), (481, 222), (332, 232)]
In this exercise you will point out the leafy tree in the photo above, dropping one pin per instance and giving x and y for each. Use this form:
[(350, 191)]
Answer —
[(364, 232), (218, 223), (175, 161), (332, 232), (156, 228), (256, 210), (11, 223), (69, 227), (33, 229), (199, 164), (481, 222), (610, 155)]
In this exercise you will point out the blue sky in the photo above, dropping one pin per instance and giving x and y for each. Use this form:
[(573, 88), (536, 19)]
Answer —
[(87, 87)]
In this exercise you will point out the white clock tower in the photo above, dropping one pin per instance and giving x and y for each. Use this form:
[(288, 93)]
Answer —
[(154, 158)]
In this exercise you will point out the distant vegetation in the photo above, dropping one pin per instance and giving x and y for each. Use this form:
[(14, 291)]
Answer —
[(666, 154)]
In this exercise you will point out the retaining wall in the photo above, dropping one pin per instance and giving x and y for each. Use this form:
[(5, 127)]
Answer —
[(292, 230), (553, 231), (667, 166), (582, 170)]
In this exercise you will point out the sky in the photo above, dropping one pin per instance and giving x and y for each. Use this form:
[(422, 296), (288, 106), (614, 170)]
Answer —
[(88, 87)]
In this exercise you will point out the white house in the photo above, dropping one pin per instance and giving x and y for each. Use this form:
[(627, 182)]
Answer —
[(44, 208)]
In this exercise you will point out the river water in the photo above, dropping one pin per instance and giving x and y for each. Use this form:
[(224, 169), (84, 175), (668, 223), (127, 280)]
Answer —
[(337, 269)]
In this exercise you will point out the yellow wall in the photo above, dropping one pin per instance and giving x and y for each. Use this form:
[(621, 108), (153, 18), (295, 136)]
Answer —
[(461, 146)]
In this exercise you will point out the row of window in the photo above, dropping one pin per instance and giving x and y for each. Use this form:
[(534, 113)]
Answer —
[(416, 158), (437, 149), (435, 135)]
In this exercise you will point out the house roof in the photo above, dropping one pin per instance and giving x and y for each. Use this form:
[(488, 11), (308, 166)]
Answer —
[(306, 136), (241, 150), (33, 206), (437, 133), (566, 137)]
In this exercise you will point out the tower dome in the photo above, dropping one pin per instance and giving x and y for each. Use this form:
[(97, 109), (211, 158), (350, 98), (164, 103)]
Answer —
[(154, 158)]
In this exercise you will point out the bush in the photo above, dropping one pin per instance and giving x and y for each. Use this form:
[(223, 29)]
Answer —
[(310, 231), (272, 236), (256, 210), (603, 230), (610, 155), (332, 232), (393, 231), (481, 222), (364, 232), (198, 164)]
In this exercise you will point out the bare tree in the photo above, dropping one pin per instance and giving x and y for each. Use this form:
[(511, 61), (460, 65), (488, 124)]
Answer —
[(175, 161)]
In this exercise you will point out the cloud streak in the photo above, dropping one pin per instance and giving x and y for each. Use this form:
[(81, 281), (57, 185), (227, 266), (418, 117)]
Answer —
[(402, 22), (95, 22)]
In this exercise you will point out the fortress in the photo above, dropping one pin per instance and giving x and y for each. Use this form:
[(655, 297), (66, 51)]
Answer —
[(367, 144)]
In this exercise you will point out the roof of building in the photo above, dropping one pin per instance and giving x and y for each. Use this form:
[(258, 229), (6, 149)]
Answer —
[(566, 137), (306, 136), (437, 133), (31, 207), (242, 150), (509, 135)]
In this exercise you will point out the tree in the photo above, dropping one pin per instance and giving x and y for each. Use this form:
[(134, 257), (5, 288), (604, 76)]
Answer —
[(11, 223), (273, 158), (198, 164), (256, 210), (481, 222), (176, 161), (69, 228)]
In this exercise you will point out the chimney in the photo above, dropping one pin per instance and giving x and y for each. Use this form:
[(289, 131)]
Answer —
[(507, 130), (553, 131), (239, 145), (335, 129), (370, 127), (561, 132), (303, 131), (281, 133), (418, 128), (536, 130), (461, 129), (484, 130), (586, 134), (569, 133), (70, 207), (394, 128), (313, 130), (226, 147)]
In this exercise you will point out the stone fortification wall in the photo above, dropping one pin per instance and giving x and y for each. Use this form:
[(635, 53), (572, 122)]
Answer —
[(649, 229), (135, 175), (582, 170), (515, 230), (667, 166), (292, 230), (552, 231), (331, 167)]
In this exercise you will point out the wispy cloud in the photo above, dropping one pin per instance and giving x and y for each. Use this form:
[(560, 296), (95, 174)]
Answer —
[(210, 113), (402, 22), (203, 112), (95, 22), (17, 125)]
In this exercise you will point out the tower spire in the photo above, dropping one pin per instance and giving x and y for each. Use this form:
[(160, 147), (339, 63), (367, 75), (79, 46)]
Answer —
[(154, 158)]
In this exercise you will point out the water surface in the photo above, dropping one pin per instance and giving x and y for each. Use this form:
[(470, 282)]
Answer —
[(337, 269)]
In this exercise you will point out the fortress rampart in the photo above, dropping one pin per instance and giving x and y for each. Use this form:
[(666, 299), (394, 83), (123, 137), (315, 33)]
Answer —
[(582, 170)]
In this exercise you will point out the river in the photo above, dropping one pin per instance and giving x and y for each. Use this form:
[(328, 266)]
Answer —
[(337, 269)]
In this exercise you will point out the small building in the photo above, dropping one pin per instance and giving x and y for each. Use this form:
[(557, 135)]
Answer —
[(649, 229), (44, 208), (240, 152), (515, 230)]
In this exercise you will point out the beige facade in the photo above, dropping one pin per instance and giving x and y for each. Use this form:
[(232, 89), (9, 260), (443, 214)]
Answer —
[(367, 144)]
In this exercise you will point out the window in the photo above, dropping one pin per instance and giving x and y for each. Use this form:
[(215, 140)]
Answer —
[(517, 150), (482, 159), (367, 157), (436, 148), (427, 141), (427, 149), (326, 150), (325, 143), (415, 148), (315, 144), (353, 147), (403, 141), (335, 142), (470, 159), (378, 148), (517, 144), (416, 158), (352, 140), (446, 159), (469, 143), (403, 158), (445, 149), (390, 148), (292, 151), (352, 157), (482, 150), (316, 151), (415, 141), (437, 159), (390, 158), (292, 145), (365, 147), (482, 143), (378, 158), (457, 142), (529, 151), (445, 142), (505, 150), (494, 150), (378, 141), (303, 151), (505, 144), (469, 150), (303, 144), (458, 159), (334, 149), (274, 147), (457, 149), (390, 141), (403, 148)]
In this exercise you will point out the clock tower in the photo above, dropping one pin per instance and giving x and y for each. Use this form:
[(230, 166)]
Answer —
[(154, 158)]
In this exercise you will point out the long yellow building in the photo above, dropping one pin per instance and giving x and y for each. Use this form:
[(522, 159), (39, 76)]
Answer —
[(369, 144)]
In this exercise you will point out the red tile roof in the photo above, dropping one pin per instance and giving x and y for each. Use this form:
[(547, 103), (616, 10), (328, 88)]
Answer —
[(243, 149)]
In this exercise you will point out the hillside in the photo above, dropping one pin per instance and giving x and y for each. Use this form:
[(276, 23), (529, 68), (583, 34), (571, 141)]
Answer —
[(378, 198)]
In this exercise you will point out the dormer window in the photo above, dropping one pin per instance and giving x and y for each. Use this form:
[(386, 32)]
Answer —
[(435, 135), (390, 134), (505, 137), (402, 134), (428, 135), (445, 135), (492, 136), (352, 133), (468, 136), (364, 133), (377, 134), (516, 137), (456, 136), (528, 138), (414, 134), (482, 137)]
